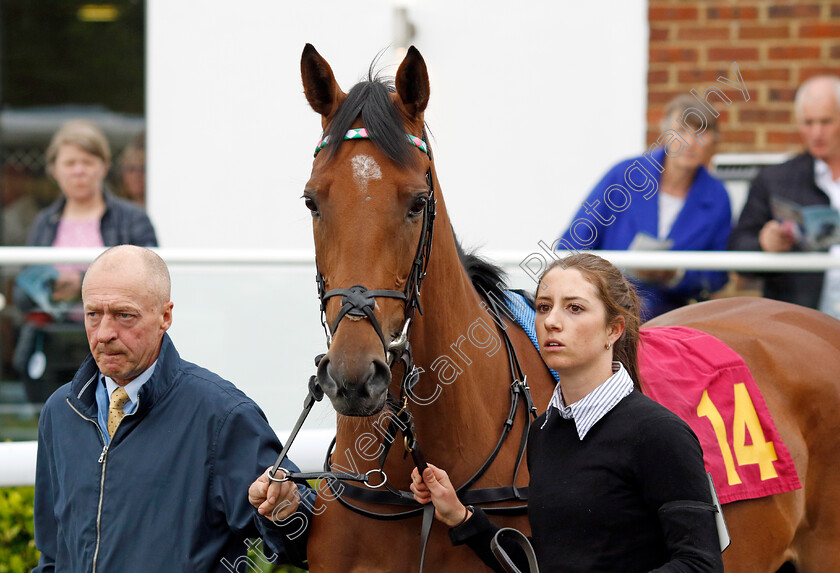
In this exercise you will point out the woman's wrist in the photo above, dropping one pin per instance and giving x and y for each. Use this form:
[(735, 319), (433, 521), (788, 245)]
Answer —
[(468, 512)]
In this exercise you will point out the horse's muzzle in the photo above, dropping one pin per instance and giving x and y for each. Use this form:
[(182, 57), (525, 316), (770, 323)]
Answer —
[(359, 391)]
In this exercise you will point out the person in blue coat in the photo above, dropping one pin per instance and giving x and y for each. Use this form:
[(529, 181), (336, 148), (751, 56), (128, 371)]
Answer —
[(664, 199), (145, 460)]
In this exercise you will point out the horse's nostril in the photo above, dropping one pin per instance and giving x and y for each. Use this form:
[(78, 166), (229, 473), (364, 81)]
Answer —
[(380, 377), (324, 376)]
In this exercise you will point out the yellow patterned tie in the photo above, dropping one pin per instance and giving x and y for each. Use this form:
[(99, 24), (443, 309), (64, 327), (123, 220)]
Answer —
[(115, 411)]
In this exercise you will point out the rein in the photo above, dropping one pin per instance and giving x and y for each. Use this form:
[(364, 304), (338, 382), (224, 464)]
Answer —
[(359, 301)]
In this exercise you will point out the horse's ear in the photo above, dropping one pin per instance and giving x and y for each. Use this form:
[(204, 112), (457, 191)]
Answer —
[(319, 85), (413, 83)]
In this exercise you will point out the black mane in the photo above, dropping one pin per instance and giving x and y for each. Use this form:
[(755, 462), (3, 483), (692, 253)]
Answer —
[(370, 99), (488, 279)]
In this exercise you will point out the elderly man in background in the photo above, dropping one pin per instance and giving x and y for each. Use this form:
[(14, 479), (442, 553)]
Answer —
[(811, 178), (145, 460)]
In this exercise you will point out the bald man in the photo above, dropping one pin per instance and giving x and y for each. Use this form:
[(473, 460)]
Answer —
[(811, 178), (144, 459)]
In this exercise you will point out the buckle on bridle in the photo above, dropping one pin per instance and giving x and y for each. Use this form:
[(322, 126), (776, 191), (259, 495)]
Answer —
[(403, 408), (519, 385)]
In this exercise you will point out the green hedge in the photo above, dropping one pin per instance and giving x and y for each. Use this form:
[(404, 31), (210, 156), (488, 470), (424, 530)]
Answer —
[(259, 564), (17, 534)]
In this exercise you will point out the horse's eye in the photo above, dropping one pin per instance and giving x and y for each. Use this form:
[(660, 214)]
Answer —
[(310, 204), (418, 206)]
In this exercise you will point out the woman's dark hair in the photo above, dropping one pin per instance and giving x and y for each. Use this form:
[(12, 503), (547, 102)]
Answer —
[(620, 300)]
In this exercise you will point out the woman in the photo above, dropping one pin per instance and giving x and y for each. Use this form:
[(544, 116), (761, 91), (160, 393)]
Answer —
[(617, 481), (86, 215), (665, 199)]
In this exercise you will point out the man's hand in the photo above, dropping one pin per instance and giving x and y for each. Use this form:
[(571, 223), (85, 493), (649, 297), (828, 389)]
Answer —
[(274, 500), (776, 237)]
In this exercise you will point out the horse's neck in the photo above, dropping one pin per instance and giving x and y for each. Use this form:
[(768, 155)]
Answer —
[(463, 356)]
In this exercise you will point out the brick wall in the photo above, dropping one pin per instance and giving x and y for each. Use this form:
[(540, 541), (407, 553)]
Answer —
[(776, 45)]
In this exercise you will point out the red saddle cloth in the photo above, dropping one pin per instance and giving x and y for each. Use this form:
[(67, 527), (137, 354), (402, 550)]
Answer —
[(707, 384)]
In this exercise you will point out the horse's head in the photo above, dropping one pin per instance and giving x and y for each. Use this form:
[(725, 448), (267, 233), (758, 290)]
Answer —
[(372, 208)]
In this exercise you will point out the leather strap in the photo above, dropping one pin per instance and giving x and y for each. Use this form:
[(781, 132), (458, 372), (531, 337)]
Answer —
[(406, 499), (502, 556), (425, 529)]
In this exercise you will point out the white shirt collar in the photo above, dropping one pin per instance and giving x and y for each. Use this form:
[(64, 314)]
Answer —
[(825, 180), (587, 411), (133, 387)]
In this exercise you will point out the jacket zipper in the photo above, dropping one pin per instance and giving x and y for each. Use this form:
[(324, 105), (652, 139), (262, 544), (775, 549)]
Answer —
[(103, 458)]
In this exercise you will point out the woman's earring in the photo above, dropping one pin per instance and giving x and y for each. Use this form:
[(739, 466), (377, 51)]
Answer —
[(608, 345)]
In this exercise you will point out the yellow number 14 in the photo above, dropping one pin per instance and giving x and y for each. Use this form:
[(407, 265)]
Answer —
[(745, 420)]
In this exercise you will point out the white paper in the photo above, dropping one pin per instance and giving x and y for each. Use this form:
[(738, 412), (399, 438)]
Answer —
[(644, 242)]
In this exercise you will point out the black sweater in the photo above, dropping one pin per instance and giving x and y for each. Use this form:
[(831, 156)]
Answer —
[(631, 496)]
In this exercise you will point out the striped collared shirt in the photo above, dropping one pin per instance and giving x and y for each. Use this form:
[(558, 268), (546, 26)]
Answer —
[(587, 411)]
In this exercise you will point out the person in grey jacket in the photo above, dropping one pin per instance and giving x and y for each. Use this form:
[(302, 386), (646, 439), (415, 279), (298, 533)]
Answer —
[(122, 223), (811, 178), (86, 214), (145, 460)]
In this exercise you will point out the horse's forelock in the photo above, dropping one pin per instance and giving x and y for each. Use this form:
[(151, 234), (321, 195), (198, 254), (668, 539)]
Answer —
[(371, 100)]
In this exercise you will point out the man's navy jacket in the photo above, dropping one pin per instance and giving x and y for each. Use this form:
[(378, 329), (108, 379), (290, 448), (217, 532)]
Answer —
[(170, 492)]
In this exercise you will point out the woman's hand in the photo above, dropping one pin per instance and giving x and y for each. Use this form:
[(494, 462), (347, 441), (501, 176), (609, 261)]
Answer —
[(434, 486), (68, 286)]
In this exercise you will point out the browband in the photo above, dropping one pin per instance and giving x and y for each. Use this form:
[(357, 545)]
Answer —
[(362, 133)]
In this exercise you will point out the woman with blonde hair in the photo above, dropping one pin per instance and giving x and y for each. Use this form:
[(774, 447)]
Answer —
[(87, 214)]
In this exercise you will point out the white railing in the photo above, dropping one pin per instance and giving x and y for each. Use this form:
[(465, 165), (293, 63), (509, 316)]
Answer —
[(700, 260), (17, 463), (17, 459)]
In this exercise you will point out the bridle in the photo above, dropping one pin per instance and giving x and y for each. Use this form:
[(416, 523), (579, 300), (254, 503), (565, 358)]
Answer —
[(360, 301)]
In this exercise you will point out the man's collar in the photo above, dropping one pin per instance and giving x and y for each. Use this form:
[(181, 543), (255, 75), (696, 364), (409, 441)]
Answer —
[(133, 387), (822, 170)]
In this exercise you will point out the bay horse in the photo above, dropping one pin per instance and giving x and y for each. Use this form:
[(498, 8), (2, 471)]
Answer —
[(793, 353), (373, 200)]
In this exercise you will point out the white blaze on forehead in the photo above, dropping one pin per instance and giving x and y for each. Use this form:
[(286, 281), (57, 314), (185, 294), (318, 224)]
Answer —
[(365, 168)]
